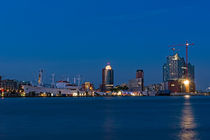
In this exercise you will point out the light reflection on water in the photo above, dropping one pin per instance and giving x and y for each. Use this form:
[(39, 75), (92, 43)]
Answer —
[(188, 124), (108, 124)]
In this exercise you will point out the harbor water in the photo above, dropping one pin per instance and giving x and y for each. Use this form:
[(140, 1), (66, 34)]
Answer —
[(105, 118)]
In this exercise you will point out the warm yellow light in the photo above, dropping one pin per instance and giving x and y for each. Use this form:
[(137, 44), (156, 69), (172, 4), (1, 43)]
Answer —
[(186, 82), (108, 67), (187, 96), (74, 94)]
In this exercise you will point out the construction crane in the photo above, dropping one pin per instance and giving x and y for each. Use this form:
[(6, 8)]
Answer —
[(175, 50), (187, 46)]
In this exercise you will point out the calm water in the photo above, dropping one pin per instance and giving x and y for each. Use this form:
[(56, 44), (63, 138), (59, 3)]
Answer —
[(110, 118)]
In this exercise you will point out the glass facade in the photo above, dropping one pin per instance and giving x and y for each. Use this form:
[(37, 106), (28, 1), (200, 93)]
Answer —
[(175, 69)]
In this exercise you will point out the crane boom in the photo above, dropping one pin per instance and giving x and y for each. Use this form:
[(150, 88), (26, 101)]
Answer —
[(187, 46)]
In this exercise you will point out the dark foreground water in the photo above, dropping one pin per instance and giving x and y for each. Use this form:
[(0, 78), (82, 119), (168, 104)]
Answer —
[(110, 118)]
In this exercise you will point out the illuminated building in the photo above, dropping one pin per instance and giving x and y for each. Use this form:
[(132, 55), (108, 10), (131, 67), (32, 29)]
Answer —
[(9, 85), (87, 86), (174, 74), (107, 78)]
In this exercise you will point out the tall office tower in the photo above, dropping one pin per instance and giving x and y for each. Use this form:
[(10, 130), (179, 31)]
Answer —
[(139, 74), (107, 78), (140, 77), (174, 73), (138, 83)]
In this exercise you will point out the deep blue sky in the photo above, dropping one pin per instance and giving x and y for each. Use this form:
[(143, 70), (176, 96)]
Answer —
[(79, 37)]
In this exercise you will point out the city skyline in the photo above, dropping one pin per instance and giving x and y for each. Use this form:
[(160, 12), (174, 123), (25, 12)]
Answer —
[(47, 77), (104, 69), (71, 38)]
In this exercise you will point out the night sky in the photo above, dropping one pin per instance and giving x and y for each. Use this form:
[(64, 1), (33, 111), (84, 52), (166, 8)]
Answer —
[(69, 37)]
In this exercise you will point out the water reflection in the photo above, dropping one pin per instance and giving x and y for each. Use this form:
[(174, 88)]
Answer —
[(108, 124), (188, 124)]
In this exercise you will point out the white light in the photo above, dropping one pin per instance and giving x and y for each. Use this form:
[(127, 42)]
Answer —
[(119, 93), (187, 96), (186, 82)]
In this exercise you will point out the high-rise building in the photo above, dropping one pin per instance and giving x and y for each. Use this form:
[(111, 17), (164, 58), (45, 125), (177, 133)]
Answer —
[(107, 78), (139, 74), (138, 83), (140, 77), (174, 74)]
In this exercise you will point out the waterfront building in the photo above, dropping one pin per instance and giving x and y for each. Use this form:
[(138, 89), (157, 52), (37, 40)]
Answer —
[(44, 91), (139, 74), (107, 78), (174, 74), (138, 83), (175, 69), (87, 86), (155, 87), (66, 85), (9, 85)]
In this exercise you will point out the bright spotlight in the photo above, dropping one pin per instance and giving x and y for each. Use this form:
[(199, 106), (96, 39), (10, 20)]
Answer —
[(186, 82)]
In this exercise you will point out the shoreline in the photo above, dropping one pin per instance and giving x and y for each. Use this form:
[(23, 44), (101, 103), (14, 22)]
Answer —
[(97, 96)]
